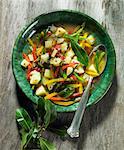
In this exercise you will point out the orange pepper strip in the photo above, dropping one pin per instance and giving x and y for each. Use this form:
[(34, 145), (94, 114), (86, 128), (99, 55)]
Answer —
[(26, 57), (29, 71), (48, 96), (34, 52), (69, 65), (58, 99)]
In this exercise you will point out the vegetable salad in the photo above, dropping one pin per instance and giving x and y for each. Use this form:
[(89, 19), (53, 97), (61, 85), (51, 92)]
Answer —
[(56, 63)]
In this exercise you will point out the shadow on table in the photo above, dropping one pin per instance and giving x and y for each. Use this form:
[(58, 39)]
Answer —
[(93, 116)]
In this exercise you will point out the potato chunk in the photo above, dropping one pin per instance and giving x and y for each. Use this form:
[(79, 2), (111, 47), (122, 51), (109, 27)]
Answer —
[(40, 91), (35, 77)]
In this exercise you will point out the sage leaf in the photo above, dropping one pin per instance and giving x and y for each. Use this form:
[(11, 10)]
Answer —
[(46, 145), (24, 136), (50, 114), (23, 119), (80, 53), (67, 92)]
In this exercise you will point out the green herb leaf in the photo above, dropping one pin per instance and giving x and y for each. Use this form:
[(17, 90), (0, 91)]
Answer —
[(80, 53), (78, 77), (50, 114), (24, 136), (67, 92), (23, 119), (46, 145), (30, 136)]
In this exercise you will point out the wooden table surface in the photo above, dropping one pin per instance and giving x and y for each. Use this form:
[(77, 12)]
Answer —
[(103, 124)]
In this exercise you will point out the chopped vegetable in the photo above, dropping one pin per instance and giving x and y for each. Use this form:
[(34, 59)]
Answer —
[(40, 91), (48, 96), (60, 62)]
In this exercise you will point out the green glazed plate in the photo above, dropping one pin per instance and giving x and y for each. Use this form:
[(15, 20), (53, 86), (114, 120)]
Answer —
[(70, 17)]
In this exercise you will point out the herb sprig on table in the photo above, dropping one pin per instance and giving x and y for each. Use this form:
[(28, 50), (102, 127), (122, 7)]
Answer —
[(32, 128)]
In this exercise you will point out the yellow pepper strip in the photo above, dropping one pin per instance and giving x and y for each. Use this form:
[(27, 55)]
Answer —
[(80, 89), (39, 50), (85, 35), (88, 45), (82, 43), (31, 42), (75, 85), (48, 96), (54, 80)]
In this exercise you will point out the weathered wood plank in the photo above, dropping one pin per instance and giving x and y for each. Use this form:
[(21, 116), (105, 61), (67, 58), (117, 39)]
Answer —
[(102, 127)]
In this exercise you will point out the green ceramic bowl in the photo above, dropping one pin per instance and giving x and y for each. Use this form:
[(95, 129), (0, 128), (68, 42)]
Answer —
[(71, 17)]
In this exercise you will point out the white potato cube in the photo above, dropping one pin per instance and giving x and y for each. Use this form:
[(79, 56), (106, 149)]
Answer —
[(55, 61), (86, 77), (47, 73), (24, 63), (69, 70), (67, 60), (90, 39), (70, 53), (60, 32), (92, 68), (40, 91), (74, 60), (64, 46), (60, 40), (35, 77), (53, 28), (45, 57), (48, 44), (31, 57), (79, 69), (54, 53)]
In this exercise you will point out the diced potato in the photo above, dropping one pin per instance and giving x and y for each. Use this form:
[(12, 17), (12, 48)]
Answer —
[(44, 80), (79, 69), (47, 73), (35, 77), (31, 57), (64, 46), (45, 57), (90, 39), (74, 60), (54, 53), (40, 91), (60, 32), (48, 44), (54, 42), (70, 53), (92, 68), (55, 61), (24, 63), (60, 40), (67, 60), (53, 28), (86, 77), (69, 70)]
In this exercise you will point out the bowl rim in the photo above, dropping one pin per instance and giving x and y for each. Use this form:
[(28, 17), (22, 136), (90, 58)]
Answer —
[(63, 108)]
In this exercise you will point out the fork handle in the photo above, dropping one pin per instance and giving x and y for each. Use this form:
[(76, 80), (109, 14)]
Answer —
[(73, 130)]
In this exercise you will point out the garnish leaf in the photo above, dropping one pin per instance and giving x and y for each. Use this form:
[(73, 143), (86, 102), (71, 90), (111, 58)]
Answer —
[(67, 92), (50, 114), (46, 145), (24, 136), (23, 119), (80, 53)]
